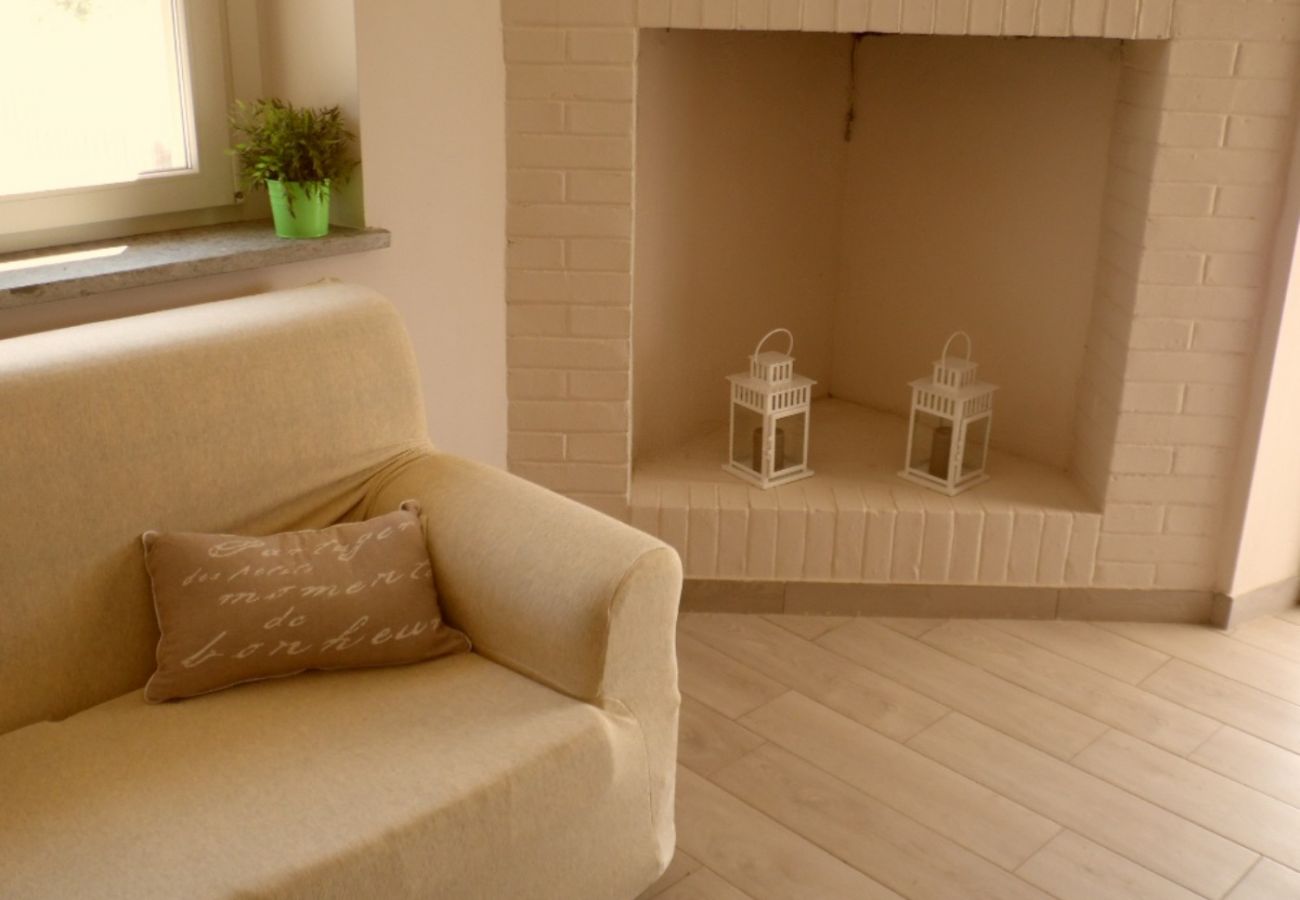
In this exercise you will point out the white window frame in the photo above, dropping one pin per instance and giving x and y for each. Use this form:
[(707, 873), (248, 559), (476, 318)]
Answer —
[(211, 180)]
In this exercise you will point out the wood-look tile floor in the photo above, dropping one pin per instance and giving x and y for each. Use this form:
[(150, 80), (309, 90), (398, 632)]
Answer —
[(824, 758)]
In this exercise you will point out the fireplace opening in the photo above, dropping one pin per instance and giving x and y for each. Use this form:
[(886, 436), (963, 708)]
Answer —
[(872, 194), (951, 208)]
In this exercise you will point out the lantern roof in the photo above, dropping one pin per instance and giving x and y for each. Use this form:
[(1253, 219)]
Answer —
[(957, 364), (771, 358), (955, 376), (975, 389), (763, 386), (772, 367)]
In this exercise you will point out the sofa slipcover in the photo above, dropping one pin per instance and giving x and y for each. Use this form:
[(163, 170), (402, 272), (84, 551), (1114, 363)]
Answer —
[(540, 766), (441, 779)]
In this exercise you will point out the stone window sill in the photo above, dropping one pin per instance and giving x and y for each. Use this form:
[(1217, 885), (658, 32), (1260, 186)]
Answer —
[(79, 270)]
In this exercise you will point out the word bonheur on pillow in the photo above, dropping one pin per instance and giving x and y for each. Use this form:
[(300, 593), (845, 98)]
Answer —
[(235, 609)]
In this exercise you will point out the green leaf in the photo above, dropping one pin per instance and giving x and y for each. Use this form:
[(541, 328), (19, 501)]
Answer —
[(281, 142)]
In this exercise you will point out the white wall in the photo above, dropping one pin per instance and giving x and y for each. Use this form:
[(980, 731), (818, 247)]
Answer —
[(307, 52), (739, 178), (974, 203), (432, 93), (1268, 549)]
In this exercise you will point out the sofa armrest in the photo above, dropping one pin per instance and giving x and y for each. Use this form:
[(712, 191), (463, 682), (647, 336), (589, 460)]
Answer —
[(537, 581), (557, 592)]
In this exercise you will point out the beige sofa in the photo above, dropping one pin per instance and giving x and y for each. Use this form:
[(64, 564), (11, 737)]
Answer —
[(540, 766)]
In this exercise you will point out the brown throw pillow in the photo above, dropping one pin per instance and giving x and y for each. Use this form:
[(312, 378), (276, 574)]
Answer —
[(235, 609)]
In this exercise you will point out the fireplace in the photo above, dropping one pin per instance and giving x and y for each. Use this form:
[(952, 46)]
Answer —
[(1094, 205)]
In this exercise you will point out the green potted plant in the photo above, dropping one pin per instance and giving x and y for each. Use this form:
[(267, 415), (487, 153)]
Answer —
[(297, 154)]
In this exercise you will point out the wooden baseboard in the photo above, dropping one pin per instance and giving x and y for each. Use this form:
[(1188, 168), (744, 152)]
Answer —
[(1231, 611), (946, 601)]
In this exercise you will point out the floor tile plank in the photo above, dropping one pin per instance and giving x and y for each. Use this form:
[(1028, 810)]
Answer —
[(1253, 762), (719, 682), (1085, 643), (881, 704), (1215, 651), (807, 627), (759, 856), (951, 804), (708, 740), (910, 627), (1272, 634), (1290, 615), (1155, 838), (1220, 804), (831, 757), (770, 649), (1021, 713), (1085, 690), (860, 694), (704, 885), (1268, 881), (1072, 867), (1229, 701), (683, 864), (890, 847)]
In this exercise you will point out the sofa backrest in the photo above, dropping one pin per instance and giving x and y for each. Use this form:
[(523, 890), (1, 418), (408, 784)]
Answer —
[(256, 415)]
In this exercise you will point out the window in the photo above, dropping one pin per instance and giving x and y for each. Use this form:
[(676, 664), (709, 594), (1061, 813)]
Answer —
[(112, 109)]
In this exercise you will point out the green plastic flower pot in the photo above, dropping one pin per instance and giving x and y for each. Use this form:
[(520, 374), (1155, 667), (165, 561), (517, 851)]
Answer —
[(298, 214)]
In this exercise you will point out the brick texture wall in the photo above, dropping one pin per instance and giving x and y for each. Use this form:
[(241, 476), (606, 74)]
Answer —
[(1202, 133)]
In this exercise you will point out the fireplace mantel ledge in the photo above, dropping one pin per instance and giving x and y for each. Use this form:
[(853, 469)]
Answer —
[(1124, 19)]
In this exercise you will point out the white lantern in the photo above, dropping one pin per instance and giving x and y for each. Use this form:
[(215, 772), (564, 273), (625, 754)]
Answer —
[(770, 406), (948, 432)]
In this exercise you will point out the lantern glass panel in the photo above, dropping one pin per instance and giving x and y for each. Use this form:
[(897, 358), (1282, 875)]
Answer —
[(975, 454), (931, 444), (790, 450), (746, 438)]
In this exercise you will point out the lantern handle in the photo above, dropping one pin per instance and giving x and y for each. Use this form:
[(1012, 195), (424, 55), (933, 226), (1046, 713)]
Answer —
[(958, 334), (775, 331)]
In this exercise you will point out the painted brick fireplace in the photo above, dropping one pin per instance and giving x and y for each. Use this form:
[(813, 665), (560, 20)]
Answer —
[(1197, 155)]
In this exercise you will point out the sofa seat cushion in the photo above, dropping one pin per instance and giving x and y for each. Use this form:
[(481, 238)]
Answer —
[(389, 783)]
